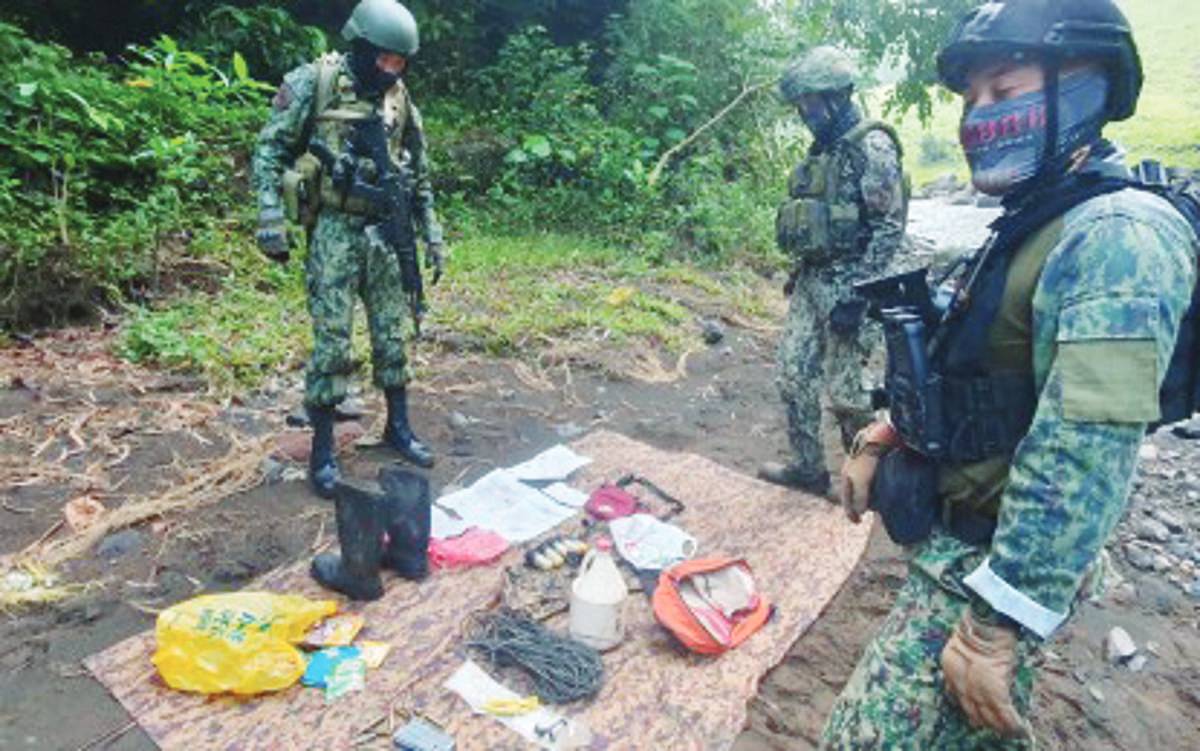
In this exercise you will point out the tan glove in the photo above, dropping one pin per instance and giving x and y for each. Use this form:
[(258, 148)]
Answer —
[(978, 663), (858, 470)]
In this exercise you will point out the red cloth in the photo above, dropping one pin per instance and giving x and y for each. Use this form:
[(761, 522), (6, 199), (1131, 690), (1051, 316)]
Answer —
[(475, 547)]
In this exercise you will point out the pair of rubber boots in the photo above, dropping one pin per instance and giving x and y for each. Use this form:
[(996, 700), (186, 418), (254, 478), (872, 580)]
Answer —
[(401, 513), (323, 470)]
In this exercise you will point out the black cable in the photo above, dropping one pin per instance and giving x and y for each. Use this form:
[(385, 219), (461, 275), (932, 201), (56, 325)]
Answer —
[(563, 670)]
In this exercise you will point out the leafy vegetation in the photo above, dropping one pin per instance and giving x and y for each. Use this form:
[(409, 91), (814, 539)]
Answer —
[(589, 156)]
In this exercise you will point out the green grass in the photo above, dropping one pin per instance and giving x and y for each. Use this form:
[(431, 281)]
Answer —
[(505, 296), (1166, 126)]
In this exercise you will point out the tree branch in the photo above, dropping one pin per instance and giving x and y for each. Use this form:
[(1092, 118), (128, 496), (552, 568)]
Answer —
[(656, 173)]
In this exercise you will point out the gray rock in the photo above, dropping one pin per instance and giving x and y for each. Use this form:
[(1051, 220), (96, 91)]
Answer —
[(1153, 648), (1193, 589), (458, 421), (1119, 646), (120, 544), (272, 470), (1140, 557), (1096, 694), (1152, 530), (1180, 549), (1162, 563), (1148, 452), (1169, 520), (1137, 663), (712, 331)]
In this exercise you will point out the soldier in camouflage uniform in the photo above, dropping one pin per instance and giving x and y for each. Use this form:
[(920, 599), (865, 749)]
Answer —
[(1089, 308), (323, 100), (843, 220)]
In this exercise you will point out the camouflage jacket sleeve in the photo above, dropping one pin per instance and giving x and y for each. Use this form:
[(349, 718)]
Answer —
[(1105, 315), (414, 144), (883, 199), (280, 140)]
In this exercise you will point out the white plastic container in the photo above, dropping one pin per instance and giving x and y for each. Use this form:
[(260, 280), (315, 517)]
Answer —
[(597, 599)]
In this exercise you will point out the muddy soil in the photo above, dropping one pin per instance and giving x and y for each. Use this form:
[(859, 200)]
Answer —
[(481, 413)]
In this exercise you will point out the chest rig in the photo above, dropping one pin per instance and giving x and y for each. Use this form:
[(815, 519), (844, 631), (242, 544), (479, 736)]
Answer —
[(336, 109), (955, 394), (824, 210)]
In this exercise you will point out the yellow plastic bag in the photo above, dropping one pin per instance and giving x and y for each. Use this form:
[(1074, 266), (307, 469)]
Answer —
[(239, 642)]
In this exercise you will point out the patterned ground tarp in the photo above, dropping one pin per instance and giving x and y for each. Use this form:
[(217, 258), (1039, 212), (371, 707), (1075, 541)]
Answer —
[(654, 698)]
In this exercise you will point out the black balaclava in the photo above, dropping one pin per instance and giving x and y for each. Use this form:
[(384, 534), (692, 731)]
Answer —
[(833, 117), (369, 80)]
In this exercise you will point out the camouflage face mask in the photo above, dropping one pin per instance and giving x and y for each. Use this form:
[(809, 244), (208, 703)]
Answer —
[(1005, 142)]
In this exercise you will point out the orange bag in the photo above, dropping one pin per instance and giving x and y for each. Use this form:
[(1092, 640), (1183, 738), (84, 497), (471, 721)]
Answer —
[(711, 605)]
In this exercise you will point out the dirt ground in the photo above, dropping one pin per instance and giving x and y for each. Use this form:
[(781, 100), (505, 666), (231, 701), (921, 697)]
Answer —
[(76, 423)]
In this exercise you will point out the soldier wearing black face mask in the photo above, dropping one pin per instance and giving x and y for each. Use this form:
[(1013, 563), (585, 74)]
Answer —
[(843, 220), (326, 103)]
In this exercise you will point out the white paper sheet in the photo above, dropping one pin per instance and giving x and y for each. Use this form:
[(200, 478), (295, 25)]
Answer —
[(506, 506), (555, 463), (566, 495), (477, 688)]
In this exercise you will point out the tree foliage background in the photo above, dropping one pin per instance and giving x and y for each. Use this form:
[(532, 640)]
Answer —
[(126, 125)]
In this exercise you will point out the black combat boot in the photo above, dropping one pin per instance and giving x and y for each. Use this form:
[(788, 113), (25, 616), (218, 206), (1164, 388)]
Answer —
[(399, 435), (407, 515), (794, 476), (323, 469), (354, 573)]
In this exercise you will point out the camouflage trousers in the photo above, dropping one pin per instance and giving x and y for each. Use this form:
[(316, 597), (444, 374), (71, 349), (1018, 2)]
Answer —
[(895, 698), (823, 377), (343, 266)]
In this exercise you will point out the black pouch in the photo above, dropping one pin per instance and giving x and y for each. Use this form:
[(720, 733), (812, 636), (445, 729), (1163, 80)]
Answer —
[(904, 494), (847, 317)]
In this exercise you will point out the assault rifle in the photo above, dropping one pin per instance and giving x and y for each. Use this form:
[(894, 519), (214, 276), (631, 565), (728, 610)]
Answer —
[(389, 191)]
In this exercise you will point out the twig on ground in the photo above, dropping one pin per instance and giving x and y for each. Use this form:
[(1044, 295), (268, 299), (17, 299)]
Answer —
[(108, 737)]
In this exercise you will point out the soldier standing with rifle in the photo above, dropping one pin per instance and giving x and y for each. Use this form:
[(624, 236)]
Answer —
[(843, 220), (344, 154), (1017, 407)]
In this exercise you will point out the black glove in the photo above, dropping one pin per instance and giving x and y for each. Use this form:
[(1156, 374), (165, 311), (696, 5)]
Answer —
[(272, 236), (435, 261)]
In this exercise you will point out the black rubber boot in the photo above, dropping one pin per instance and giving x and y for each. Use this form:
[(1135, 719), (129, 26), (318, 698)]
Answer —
[(398, 433), (792, 476), (354, 573), (407, 515), (323, 470)]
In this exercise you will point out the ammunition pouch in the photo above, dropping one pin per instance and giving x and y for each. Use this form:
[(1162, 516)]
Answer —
[(335, 198), (905, 495), (302, 190), (808, 224)]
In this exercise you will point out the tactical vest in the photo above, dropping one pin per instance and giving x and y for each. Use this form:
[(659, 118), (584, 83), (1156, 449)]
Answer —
[(336, 108), (817, 215), (961, 389)]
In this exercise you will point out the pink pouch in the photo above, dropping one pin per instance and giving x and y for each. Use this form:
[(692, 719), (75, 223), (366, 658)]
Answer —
[(611, 502), (475, 547)]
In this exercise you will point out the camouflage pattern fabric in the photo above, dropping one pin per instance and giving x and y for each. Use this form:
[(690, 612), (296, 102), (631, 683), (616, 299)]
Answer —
[(822, 372), (895, 698), (342, 264), (282, 139), (1115, 287)]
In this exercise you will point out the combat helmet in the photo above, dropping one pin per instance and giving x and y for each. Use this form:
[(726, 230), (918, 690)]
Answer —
[(384, 23), (1053, 32), (820, 69)]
